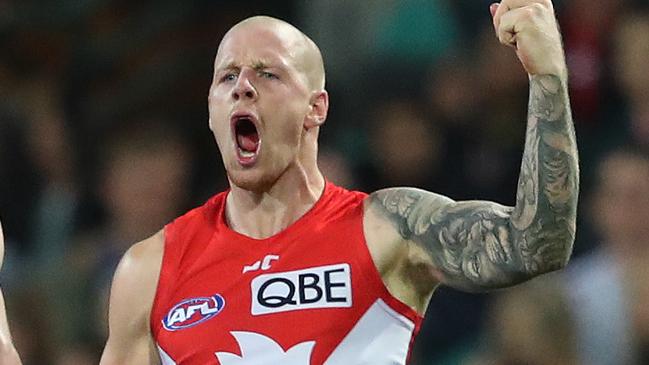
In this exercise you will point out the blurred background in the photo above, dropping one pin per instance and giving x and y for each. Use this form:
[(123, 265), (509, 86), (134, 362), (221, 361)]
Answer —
[(104, 139)]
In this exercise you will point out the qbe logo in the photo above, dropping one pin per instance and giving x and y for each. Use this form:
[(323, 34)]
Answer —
[(316, 287)]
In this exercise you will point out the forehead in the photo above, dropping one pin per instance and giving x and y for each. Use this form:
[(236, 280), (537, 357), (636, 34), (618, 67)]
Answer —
[(254, 43)]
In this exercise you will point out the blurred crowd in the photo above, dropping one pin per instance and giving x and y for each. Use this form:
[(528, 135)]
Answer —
[(104, 139)]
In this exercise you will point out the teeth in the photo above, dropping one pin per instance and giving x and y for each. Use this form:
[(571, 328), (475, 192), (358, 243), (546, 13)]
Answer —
[(246, 154)]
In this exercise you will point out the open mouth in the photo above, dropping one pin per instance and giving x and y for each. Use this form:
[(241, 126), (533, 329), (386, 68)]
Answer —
[(247, 139)]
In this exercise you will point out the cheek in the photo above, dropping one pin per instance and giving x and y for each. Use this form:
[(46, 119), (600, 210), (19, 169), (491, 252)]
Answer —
[(217, 107), (221, 133), (217, 112), (288, 126)]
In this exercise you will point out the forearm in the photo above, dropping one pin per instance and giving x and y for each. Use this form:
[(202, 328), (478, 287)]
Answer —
[(546, 206)]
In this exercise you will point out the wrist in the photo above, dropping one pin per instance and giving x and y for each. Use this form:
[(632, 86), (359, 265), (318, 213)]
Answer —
[(551, 79)]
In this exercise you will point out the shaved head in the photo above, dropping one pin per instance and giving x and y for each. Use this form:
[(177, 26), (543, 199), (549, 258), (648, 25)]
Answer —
[(267, 102), (301, 49)]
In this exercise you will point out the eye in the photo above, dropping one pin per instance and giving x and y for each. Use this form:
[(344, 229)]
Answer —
[(229, 77), (268, 75)]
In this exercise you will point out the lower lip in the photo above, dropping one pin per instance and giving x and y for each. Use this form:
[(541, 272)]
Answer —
[(246, 161)]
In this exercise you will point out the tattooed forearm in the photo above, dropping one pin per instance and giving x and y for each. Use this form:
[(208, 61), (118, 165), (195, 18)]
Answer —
[(483, 245), (547, 242)]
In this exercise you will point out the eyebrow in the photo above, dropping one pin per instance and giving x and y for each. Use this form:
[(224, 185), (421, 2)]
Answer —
[(230, 66), (256, 65), (259, 65)]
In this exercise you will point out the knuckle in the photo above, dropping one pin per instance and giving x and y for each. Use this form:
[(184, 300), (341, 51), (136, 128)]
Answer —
[(529, 13), (506, 38), (538, 8), (534, 12)]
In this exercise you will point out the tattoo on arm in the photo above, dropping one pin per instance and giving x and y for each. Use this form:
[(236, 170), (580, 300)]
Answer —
[(481, 245)]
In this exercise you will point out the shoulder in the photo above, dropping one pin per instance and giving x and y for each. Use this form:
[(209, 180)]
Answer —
[(206, 214), (393, 215), (390, 217), (143, 258), (404, 202), (144, 253), (405, 210), (397, 207), (131, 300), (342, 196), (136, 277), (382, 238)]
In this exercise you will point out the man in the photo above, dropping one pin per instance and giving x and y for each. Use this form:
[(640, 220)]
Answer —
[(618, 267), (8, 354), (285, 268)]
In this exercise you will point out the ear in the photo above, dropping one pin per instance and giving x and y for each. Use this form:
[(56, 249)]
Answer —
[(318, 108)]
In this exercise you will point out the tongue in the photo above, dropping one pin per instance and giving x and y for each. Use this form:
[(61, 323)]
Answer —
[(248, 142)]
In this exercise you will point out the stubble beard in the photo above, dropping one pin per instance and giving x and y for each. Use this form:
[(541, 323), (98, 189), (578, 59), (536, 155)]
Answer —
[(254, 179)]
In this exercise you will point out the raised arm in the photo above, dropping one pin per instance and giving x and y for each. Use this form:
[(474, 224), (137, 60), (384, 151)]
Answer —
[(131, 299), (8, 354), (477, 245)]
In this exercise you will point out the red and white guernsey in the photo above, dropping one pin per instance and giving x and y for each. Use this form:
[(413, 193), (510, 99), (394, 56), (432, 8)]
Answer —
[(309, 295)]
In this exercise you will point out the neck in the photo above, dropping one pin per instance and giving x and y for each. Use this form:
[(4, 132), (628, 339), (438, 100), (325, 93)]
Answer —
[(263, 214)]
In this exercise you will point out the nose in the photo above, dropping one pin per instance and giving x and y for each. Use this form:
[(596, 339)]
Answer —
[(244, 88)]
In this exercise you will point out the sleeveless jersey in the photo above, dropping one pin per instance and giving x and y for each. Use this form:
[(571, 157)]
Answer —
[(309, 295)]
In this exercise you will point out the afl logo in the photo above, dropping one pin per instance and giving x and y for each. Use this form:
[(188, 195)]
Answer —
[(193, 311)]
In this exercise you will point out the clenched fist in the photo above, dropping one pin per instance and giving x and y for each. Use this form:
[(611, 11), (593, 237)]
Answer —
[(530, 27)]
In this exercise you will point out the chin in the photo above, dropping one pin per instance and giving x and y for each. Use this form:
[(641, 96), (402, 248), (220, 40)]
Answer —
[(251, 180)]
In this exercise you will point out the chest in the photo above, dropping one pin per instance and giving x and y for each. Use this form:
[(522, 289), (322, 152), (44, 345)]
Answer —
[(230, 297)]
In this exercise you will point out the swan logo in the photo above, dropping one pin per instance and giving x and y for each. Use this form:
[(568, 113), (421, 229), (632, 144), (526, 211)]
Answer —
[(193, 311), (257, 349)]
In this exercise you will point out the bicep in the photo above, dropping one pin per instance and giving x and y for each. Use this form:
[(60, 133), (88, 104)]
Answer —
[(128, 342), (131, 298), (470, 244)]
